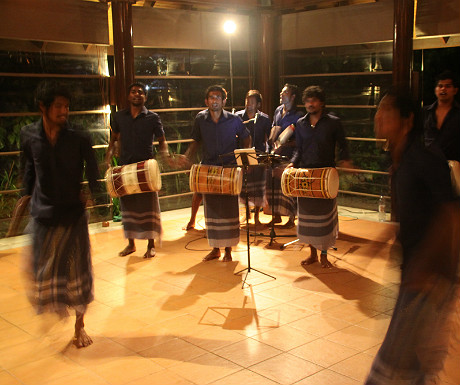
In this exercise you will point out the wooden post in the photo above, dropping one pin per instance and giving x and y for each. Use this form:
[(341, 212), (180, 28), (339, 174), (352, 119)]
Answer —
[(123, 49)]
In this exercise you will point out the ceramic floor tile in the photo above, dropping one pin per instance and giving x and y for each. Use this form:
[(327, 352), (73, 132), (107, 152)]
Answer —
[(326, 377), (285, 368), (285, 337), (285, 313), (8, 379), (245, 377), (165, 377), (82, 377), (120, 370), (323, 352), (172, 352), (214, 338), (319, 325), (46, 369), (247, 352), (355, 337), (356, 367), (216, 368), (351, 312)]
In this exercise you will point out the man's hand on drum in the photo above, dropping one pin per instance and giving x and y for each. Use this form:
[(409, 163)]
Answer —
[(347, 163), (290, 165)]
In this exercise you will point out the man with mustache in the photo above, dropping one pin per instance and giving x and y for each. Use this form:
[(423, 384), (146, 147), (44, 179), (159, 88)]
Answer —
[(442, 118)]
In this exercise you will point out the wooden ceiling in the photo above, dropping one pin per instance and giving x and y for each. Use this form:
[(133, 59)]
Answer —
[(244, 6)]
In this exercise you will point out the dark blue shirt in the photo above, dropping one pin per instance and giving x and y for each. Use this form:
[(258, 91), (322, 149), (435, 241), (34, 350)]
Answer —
[(421, 184), (258, 131), (448, 136), (53, 174), (315, 147), (137, 135), (218, 138), (285, 121)]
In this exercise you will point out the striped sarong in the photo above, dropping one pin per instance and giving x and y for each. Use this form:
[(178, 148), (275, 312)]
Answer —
[(282, 205), (221, 214), (141, 216), (256, 186), (59, 266), (318, 223)]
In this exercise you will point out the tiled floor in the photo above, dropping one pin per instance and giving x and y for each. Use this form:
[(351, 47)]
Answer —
[(177, 320)]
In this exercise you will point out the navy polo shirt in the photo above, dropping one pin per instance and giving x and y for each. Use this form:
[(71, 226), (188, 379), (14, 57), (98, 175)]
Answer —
[(137, 135), (259, 130), (285, 121), (218, 138)]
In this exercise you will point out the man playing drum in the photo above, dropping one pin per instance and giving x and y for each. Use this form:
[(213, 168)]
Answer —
[(219, 131), (317, 134), (284, 117), (136, 128)]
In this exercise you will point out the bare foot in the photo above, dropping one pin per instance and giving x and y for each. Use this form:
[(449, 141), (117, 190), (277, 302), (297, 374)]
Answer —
[(81, 339), (127, 250), (325, 264), (311, 259), (150, 253), (227, 255), (190, 226), (214, 254)]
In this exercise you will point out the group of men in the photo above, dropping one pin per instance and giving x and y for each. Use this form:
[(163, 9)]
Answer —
[(55, 155)]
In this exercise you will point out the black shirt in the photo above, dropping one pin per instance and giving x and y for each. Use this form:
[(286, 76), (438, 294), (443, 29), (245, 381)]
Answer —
[(422, 183), (448, 136), (315, 146), (137, 135), (53, 174), (258, 130)]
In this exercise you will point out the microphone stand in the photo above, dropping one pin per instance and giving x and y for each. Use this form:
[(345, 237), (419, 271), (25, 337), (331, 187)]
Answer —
[(245, 161)]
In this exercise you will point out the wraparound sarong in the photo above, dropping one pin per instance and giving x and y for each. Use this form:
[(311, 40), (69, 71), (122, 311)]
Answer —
[(256, 186), (318, 223), (59, 267), (282, 205), (221, 214), (141, 216)]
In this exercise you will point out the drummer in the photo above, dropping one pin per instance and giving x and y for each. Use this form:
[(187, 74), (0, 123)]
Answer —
[(317, 134), (136, 128), (219, 131)]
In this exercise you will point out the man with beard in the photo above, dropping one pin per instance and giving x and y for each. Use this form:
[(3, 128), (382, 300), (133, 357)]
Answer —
[(54, 156), (136, 128), (218, 132), (317, 135)]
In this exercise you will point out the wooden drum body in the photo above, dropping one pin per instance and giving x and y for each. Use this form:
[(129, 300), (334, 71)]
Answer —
[(133, 178), (207, 179), (310, 182)]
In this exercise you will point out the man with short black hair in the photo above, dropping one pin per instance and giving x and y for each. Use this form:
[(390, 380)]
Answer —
[(136, 128), (442, 118), (54, 156), (218, 132)]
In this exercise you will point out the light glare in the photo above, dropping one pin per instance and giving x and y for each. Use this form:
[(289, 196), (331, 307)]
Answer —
[(229, 27)]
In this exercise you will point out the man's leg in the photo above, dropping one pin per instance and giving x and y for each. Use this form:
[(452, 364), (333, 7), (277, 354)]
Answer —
[(213, 254), (80, 338), (256, 216), (324, 261), (227, 255), (150, 253), (131, 248), (312, 258), (196, 201)]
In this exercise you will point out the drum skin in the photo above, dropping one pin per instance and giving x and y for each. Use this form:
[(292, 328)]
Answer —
[(310, 183), (207, 179), (133, 178)]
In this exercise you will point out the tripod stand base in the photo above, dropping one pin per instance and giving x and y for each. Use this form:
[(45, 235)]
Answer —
[(248, 270)]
